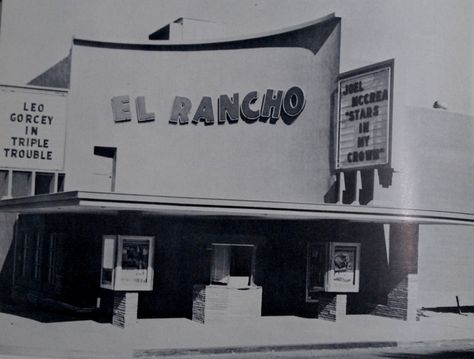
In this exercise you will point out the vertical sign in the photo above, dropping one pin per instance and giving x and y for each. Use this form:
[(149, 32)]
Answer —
[(32, 128), (364, 117)]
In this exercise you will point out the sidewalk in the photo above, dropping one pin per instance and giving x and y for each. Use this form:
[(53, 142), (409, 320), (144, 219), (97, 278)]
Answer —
[(153, 337)]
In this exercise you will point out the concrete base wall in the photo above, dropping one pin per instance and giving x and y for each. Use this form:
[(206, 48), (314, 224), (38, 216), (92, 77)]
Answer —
[(125, 309), (332, 306), (401, 300), (401, 289), (211, 303)]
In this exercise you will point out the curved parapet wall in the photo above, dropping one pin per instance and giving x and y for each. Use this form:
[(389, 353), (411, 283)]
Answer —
[(242, 119)]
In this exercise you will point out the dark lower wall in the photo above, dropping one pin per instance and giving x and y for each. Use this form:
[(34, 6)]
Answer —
[(182, 258), (7, 227), (77, 263)]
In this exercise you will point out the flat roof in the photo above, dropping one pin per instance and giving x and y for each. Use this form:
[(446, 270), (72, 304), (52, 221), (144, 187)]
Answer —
[(112, 203)]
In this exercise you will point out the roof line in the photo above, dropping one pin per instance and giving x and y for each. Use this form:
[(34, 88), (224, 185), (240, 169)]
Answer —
[(102, 201), (156, 44)]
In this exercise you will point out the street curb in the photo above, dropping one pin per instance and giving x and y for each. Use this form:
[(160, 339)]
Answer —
[(435, 341), (51, 353), (150, 353)]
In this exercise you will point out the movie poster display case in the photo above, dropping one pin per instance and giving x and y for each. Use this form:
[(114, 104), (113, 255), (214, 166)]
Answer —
[(332, 267), (127, 263)]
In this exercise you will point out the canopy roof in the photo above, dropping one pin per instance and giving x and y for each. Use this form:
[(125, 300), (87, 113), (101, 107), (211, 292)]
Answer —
[(110, 203)]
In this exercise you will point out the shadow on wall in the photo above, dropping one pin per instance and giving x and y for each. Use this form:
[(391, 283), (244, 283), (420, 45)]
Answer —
[(365, 187), (7, 228)]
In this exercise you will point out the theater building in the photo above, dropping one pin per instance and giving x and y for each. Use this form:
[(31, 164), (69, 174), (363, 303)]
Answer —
[(231, 178)]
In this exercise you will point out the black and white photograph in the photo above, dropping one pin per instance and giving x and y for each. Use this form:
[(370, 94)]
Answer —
[(236, 179)]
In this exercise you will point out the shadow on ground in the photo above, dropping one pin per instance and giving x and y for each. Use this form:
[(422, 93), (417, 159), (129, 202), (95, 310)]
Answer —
[(44, 314), (451, 354)]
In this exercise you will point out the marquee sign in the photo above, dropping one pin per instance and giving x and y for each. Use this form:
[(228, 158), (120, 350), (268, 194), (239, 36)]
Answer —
[(32, 128), (364, 117)]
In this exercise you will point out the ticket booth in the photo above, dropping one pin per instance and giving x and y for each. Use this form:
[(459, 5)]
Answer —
[(233, 265), (231, 292), (127, 268), (332, 271)]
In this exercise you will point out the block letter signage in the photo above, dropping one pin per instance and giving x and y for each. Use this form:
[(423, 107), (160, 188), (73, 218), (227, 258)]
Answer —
[(267, 108), (32, 128)]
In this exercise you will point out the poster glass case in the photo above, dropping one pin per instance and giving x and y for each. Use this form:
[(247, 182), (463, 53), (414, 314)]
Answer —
[(332, 267), (127, 263)]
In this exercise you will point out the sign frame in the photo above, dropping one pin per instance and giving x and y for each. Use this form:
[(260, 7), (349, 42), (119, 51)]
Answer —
[(355, 74), (327, 270), (331, 283), (116, 272), (43, 98)]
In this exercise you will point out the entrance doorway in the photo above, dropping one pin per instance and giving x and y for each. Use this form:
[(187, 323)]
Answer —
[(233, 265)]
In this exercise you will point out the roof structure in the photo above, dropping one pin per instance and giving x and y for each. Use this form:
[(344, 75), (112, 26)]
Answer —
[(111, 203)]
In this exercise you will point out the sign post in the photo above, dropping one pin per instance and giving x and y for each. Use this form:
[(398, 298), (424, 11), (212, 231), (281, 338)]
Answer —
[(127, 268)]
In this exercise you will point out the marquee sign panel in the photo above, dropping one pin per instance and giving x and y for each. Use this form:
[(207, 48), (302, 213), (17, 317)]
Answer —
[(32, 128), (364, 117)]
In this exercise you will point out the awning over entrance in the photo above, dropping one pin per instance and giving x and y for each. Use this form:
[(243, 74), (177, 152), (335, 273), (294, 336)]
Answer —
[(109, 203)]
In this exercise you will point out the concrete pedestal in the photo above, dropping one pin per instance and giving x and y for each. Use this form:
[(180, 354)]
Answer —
[(125, 309), (211, 303), (402, 285), (332, 306)]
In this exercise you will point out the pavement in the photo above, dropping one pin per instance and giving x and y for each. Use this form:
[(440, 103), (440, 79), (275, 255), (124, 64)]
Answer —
[(23, 335)]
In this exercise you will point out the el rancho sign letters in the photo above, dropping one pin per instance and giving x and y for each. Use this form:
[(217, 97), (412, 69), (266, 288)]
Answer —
[(270, 107)]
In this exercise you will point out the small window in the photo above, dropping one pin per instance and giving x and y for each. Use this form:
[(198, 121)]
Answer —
[(21, 248), (21, 184), (29, 255), (60, 187), (3, 184), (44, 183), (55, 258), (37, 258), (232, 265), (52, 257)]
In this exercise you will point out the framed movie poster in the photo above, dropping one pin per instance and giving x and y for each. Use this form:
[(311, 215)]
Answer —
[(343, 271), (127, 263), (332, 267)]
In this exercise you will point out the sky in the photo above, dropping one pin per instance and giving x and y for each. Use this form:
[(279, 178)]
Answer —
[(430, 40)]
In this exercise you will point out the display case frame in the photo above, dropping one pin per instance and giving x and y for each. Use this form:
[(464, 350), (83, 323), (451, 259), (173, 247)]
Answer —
[(332, 267), (127, 263)]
